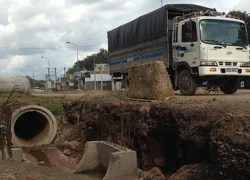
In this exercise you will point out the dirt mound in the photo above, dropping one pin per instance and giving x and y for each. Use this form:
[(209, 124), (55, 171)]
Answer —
[(181, 136), (166, 134), (153, 174), (149, 81), (194, 171), (230, 144)]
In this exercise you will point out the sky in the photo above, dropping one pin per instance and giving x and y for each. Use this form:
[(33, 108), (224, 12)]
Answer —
[(31, 29)]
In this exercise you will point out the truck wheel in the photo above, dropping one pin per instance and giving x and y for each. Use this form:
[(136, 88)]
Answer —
[(187, 84), (247, 82), (230, 86)]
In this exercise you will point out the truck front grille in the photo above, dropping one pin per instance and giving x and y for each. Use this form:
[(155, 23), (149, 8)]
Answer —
[(228, 63)]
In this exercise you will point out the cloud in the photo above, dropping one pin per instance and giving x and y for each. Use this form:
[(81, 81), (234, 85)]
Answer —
[(15, 63), (243, 5)]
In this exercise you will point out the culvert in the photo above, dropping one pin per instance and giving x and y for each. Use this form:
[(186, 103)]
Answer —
[(32, 125)]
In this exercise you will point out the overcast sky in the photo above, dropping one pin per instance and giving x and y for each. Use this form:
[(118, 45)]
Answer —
[(30, 29)]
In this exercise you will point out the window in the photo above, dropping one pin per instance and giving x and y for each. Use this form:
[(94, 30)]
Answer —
[(189, 33), (229, 33)]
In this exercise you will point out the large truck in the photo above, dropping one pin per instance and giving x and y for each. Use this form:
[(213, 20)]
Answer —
[(199, 46)]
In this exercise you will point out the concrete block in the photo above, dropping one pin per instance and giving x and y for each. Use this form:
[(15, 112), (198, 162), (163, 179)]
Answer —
[(117, 162), (149, 81)]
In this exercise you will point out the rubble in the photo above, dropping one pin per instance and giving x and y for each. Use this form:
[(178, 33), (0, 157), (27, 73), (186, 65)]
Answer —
[(149, 81), (153, 174), (194, 171)]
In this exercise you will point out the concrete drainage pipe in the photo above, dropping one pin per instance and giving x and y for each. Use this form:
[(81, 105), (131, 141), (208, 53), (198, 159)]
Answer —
[(32, 126)]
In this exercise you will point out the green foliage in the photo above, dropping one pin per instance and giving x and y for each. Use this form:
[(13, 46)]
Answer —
[(2, 101), (107, 86), (72, 69), (88, 63), (4, 94), (56, 110), (35, 83), (3, 97), (239, 14), (54, 104)]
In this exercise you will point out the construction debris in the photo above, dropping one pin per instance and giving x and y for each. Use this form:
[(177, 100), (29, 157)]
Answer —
[(149, 81)]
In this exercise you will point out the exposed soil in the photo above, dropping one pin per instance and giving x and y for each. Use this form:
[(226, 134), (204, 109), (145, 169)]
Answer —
[(14, 170), (168, 134), (200, 137)]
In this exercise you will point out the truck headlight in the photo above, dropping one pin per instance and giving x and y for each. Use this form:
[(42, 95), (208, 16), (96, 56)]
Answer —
[(208, 63), (245, 64)]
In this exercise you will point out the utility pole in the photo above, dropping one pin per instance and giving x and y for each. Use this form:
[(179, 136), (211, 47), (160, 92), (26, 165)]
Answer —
[(77, 65), (48, 80), (48, 66), (49, 74), (101, 76), (55, 79), (161, 3), (94, 76)]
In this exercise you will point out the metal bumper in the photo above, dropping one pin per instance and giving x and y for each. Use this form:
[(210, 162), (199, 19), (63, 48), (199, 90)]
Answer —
[(223, 71)]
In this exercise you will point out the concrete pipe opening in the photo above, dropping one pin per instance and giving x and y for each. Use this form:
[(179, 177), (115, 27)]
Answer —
[(32, 126)]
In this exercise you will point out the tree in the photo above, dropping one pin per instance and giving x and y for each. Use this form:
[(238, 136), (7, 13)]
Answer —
[(88, 62), (244, 17), (35, 83)]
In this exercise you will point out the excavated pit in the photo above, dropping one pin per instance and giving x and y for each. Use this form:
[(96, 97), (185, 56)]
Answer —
[(166, 134), (163, 150)]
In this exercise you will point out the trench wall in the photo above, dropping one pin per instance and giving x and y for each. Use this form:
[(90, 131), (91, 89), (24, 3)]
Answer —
[(170, 134)]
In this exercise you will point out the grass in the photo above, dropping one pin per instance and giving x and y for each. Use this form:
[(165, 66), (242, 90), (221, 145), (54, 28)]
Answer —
[(2, 101), (56, 110), (54, 104), (3, 98)]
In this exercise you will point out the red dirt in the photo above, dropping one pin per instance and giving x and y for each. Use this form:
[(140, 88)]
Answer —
[(198, 137)]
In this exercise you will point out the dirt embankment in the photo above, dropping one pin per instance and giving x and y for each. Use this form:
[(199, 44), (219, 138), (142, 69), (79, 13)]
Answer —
[(211, 137)]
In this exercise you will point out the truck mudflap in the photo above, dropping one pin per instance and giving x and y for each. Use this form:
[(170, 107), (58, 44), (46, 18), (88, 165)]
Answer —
[(224, 71)]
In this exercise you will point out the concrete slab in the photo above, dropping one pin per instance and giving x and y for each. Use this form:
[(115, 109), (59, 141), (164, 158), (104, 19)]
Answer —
[(111, 160)]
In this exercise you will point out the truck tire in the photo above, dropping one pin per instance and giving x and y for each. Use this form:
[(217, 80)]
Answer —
[(187, 84), (247, 82), (230, 86)]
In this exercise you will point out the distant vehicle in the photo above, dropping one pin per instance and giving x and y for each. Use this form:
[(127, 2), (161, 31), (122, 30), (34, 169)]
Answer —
[(196, 43)]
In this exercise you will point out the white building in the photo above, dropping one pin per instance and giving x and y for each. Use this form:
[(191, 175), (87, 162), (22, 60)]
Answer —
[(99, 79), (98, 82)]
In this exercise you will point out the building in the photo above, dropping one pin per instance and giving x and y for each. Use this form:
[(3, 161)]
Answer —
[(98, 79)]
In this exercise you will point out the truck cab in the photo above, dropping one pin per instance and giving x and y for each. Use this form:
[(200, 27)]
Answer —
[(199, 46), (209, 48)]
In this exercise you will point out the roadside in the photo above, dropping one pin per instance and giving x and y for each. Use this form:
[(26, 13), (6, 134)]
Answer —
[(81, 116)]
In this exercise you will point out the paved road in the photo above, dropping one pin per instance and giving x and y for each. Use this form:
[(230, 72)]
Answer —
[(200, 94), (241, 93)]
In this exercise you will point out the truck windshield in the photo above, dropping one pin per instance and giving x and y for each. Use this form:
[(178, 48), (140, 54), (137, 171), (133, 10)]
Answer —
[(225, 33)]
